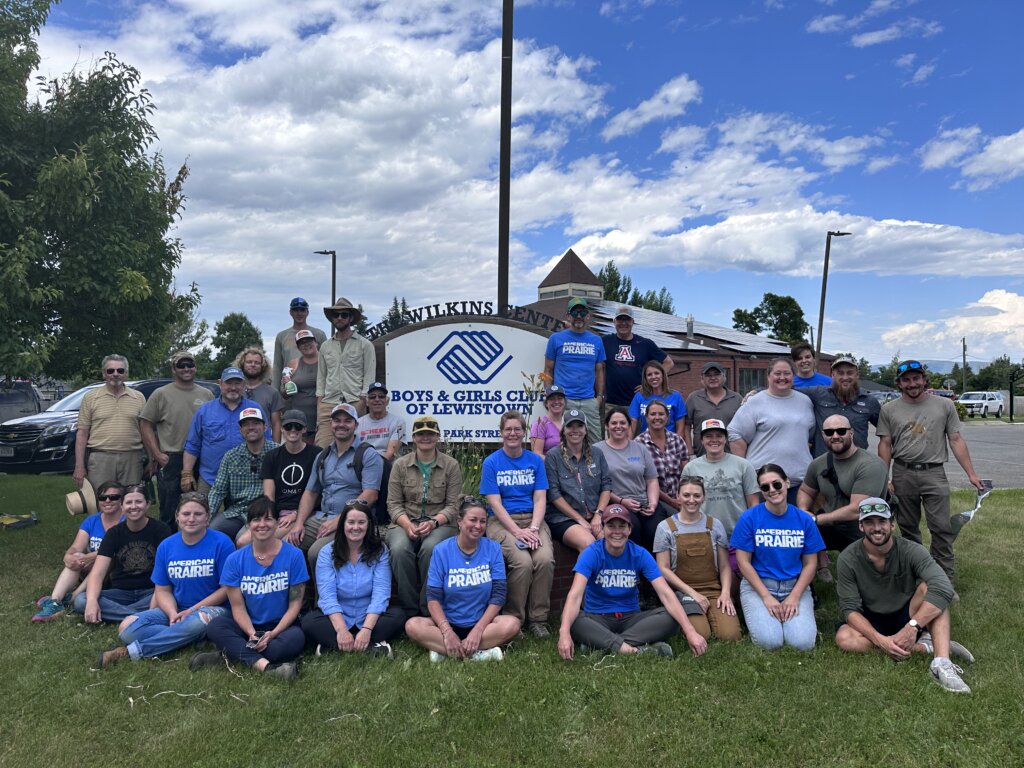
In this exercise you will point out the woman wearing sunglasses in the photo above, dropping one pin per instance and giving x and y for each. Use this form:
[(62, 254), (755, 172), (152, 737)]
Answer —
[(127, 553), (776, 548), (465, 593), (692, 551), (81, 555), (188, 591)]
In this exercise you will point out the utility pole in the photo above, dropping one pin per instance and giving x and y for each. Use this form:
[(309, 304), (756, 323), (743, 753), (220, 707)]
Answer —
[(334, 273), (824, 284), (504, 155), (963, 372)]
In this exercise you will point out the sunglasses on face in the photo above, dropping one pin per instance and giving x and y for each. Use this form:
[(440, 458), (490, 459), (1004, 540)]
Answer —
[(110, 497), (910, 365), (341, 315), (377, 396), (774, 485), (578, 312), (841, 431), (292, 427), (111, 371), (185, 365)]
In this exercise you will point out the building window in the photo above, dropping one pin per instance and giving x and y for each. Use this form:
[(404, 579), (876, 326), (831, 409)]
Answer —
[(752, 378)]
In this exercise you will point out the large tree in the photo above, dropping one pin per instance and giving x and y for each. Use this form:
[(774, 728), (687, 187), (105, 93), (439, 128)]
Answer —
[(230, 336), (779, 316), (618, 288), (86, 263)]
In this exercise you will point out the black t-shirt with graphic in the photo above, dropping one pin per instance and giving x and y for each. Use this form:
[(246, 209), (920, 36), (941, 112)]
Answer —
[(132, 554), (290, 473)]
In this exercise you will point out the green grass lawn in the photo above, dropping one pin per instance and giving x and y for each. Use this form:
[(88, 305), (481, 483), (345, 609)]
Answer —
[(736, 706)]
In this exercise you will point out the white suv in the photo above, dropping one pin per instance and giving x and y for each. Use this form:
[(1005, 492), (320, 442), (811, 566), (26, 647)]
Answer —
[(982, 403)]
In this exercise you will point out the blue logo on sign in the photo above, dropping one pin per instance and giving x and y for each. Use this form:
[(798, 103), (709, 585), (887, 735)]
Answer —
[(469, 357)]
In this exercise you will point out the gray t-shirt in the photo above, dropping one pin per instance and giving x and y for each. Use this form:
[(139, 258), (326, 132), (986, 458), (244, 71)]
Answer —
[(270, 399), (727, 483), (665, 537), (777, 430), (918, 430), (630, 467), (380, 432)]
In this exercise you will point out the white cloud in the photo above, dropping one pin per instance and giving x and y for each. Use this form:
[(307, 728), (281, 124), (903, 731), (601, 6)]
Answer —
[(992, 325), (671, 100), (906, 61), (949, 147), (922, 73), (983, 161), (906, 28), (828, 24), (877, 164)]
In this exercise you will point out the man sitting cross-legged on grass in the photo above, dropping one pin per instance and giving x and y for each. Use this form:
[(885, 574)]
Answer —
[(893, 596)]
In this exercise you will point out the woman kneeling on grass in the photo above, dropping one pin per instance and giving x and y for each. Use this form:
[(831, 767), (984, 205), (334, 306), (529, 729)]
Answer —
[(465, 592), (127, 552), (776, 548), (353, 579), (188, 592), (80, 556), (606, 583), (265, 582), (692, 551)]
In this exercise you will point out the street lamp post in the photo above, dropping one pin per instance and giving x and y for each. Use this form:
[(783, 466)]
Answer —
[(824, 285), (504, 155), (334, 273)]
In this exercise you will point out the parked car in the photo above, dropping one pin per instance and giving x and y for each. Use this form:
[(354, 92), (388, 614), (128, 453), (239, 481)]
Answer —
[(982, 403), (949, 394), (885, 397), (17, 399), (45, 442)]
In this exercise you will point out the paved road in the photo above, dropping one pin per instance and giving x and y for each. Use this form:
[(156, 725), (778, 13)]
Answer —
[(997, 451)]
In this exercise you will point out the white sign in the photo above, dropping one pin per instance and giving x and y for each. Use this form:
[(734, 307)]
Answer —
[(465, 375)]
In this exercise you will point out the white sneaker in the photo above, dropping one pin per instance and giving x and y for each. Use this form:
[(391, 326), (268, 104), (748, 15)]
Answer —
[(437, 658), (955, 649), (491, 654), (947, 674)]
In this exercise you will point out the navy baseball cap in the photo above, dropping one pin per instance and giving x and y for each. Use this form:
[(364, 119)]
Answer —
[(231, 373)]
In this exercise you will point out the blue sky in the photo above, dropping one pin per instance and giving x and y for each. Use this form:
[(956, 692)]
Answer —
[(704, 146)]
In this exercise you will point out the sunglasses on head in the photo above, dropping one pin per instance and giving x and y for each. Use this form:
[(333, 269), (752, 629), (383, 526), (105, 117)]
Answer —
[(292, 427), (110, 497), (472, 501), (184, 365), (874, 508), (695, 479), (774, 485), (357, 503), (841, 431), (115, 370), (910, 365)]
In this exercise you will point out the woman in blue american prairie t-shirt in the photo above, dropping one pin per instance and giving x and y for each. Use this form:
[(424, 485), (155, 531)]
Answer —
[(465, 593), (776, 548), (188, 593), (606, 585), (265, 582)]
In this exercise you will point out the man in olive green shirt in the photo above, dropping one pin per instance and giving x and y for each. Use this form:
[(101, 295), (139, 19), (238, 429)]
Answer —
[(347, 367), (893, 596)]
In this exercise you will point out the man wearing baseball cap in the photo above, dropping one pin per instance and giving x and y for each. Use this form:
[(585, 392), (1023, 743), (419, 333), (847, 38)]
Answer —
[(574, 360), (712, 401), (346, 470), (384, 430), (913, 433), (424, 493), (238, 482), (843, 397), (164, 425), (626, 354), (730, 482), (894, 597), (345, 370), (285, 348), (213, 432)]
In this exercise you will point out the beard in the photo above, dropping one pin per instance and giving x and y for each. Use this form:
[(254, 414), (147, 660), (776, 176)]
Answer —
[(845, 392)]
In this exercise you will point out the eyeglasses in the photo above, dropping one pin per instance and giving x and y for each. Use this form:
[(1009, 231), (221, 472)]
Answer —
[(512, 430), (910, 365), (774, 485), (184, 365), (695, 479), (841, 431), (377, 396), (110, 497), (875, 507), (115, 370), (292, 427), (341, 314)]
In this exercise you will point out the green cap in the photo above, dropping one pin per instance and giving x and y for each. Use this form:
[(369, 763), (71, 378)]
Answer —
[(576, 302)]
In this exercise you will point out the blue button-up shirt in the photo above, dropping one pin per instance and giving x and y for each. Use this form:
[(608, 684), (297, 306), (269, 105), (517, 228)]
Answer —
[(340, 482), (214, 431), (353, 590)]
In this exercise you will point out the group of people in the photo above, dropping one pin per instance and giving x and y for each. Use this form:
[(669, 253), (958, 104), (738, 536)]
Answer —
[(659, 496)]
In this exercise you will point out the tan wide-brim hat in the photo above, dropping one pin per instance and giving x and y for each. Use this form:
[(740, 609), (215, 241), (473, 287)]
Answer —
[(343, 303), (81, 502)]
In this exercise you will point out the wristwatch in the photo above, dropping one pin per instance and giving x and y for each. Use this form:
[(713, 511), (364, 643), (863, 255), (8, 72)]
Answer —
[(916, 625)]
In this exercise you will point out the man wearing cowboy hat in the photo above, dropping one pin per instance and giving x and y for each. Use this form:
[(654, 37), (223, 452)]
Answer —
[(164, 423), (285, 346), (348, 364)]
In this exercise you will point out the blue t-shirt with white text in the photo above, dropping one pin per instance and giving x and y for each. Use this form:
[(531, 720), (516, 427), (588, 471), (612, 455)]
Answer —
[(465, 581), (613, 582), (776, 542), (265, 587), (514, 479), (191, 570), (93, 525), (575, 355)]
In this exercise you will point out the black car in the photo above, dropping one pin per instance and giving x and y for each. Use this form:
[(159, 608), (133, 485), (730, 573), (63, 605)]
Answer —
[(45, 443)]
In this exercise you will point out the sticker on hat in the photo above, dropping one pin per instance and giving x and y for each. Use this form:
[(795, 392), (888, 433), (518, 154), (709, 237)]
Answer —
[(250, 413)]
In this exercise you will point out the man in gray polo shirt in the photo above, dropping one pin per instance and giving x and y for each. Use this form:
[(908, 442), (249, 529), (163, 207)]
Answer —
[(713, 401)]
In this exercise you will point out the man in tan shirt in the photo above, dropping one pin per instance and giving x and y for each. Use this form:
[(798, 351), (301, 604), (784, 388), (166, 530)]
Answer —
[(347, 367), (108, 445)]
